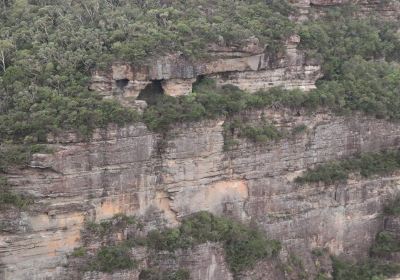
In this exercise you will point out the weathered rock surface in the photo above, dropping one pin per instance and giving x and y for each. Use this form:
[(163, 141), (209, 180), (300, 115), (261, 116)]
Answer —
[(388, 9), (134, 171), (250, 68), (129, 170)]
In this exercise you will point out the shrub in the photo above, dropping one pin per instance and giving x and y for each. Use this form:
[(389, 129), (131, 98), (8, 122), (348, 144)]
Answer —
[(104, 228), (79, 252), (243, 246), (382, 163), (386, 242), (111, 258), (19, 155), (298, 129), (393, 208), (370, 270), (261, 134), (152, 274), (7, 197)]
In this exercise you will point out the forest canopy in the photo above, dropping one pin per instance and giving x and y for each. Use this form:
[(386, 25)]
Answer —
[(49, 47)]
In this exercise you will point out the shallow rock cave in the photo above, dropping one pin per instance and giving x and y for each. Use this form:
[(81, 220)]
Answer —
[(122, 83), (152, 92)]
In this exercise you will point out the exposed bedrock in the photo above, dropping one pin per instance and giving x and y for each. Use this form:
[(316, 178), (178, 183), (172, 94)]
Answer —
[(250, 68), (133, 171), (386, 9)]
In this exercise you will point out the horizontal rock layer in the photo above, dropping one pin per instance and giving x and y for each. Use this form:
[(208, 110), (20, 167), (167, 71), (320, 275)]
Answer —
[(133, 171), (250, 70)]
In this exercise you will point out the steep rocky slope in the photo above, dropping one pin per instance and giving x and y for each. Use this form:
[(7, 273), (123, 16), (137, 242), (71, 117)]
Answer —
[(162, 178), (249, 67), (123, 170)]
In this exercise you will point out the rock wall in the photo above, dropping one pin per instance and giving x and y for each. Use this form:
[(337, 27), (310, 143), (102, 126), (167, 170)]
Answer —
[(250, 68), (133, 171), (163, 178), (388, 9)]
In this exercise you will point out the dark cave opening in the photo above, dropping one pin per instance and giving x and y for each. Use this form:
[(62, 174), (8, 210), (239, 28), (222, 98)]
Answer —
[(122, 83), (152, 92)]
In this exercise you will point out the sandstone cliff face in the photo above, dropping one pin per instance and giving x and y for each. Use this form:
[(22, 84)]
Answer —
[(249, 67), (133, 171), (161, 180), (389, 9)]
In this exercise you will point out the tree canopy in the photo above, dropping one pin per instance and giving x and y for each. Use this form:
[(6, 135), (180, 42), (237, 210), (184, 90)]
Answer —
[(48, 48)]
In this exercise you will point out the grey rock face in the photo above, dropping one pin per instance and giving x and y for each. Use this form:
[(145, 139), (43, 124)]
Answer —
[(125, 170), (250, 68)]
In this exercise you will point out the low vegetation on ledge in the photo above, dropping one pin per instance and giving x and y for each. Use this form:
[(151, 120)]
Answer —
[(8, 197), (369, 270), (366, 165), (243, 245), (393, 208)]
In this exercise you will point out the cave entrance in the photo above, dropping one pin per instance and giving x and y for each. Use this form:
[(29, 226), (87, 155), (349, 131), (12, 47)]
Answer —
[(122, 83), (197, 84), (152, 92)]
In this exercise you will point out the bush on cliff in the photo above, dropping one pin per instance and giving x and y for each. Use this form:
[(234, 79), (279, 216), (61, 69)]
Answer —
[(369, 270), (155, 274), (111, 258), (8, 197), (243, 245), (366, 165), (393, 208), (386, 242)]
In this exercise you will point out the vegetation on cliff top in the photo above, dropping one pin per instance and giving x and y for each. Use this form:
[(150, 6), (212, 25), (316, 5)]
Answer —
[(48, 48), (43, 82), (366, 165), (359, 75)]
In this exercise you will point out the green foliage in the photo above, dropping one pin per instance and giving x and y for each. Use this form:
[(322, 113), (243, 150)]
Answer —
[(318, 252), (207, 101), (244, 246), (367, 165), (355, 52), (321, 276), (371, 270), (385, 242), (327, 173), (393, 208), (340, 36), (261, 134), (49, 48), (18, 155), (365, 86), (79, 252), (104, 228), (298, 129), (152, 274), (7, 197), (111, 258), (258, 133)]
